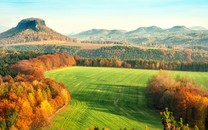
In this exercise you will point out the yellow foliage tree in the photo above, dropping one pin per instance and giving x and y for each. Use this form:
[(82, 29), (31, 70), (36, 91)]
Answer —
[(46, 107)]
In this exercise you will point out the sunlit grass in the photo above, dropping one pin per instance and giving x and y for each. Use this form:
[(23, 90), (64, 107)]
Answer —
[(109, 97)]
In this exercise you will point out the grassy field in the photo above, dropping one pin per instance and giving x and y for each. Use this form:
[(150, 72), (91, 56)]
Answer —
[(109, 97)]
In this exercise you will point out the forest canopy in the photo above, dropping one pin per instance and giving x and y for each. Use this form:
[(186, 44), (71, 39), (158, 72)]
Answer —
[(28, 100)]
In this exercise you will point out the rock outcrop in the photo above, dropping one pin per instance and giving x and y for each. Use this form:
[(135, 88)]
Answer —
[(31, 30)]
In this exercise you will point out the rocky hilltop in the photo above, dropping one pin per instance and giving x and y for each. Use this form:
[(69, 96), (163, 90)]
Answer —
[(31, 23), (30, 30)]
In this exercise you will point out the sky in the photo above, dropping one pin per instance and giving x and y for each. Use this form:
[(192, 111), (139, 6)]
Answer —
[(73, 16)]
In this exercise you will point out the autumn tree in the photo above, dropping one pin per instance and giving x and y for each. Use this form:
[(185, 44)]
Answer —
[(182, 96)]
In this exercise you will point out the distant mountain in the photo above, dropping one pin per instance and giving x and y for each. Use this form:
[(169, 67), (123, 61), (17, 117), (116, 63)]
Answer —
[(178, 29), (198, 28), (29, 30), (101, 34), (177, 35), (3, 28)]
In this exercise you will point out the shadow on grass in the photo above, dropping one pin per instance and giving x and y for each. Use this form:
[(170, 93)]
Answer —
[(124, 100)]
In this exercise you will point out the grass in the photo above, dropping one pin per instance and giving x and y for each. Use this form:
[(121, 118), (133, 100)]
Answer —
[(109, 97)]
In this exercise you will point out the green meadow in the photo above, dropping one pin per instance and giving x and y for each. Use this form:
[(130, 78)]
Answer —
[(111, 98)]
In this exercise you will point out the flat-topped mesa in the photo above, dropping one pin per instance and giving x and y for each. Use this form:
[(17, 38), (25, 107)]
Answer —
[(32, 30), (31, 23)]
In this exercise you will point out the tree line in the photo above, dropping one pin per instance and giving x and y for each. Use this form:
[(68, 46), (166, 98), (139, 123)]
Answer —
[(143, 64), (181, 66)]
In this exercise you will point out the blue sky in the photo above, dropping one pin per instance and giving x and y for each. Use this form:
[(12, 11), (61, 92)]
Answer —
[(67, 16)]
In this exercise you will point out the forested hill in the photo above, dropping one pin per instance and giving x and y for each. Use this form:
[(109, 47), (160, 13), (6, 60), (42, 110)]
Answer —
[(119, 52), (132, 53)]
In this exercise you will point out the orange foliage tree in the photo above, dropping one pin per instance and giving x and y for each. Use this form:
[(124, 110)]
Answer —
[(182, 96), (37, 66), (27, 102)]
